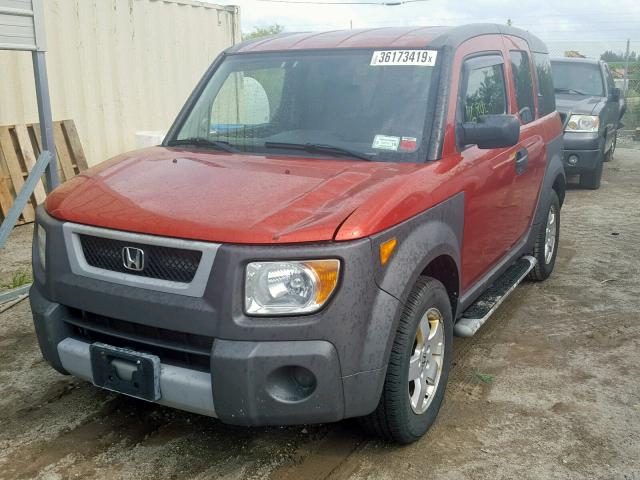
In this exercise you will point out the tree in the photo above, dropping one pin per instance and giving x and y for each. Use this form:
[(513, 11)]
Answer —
[(611, 56), (509, 22), (263, 31)]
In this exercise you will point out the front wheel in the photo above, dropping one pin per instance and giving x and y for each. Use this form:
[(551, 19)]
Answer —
[(418, 367), (609, 156)]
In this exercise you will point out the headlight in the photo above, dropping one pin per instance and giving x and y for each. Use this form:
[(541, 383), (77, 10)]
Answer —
[(273, 288), (42, 245), (583, 123)]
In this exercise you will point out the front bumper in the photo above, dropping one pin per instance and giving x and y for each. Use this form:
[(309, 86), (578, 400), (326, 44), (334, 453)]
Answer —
[(252, 366), (181, 388), (587, 147)]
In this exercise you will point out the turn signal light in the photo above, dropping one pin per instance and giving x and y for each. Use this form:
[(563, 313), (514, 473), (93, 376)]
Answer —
[(386, 249)]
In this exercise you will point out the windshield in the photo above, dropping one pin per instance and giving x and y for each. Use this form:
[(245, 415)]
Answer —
[(331, 103), (578, 78)]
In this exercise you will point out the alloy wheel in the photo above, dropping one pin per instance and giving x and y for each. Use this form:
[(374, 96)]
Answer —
[(550, 235), (425, 363)]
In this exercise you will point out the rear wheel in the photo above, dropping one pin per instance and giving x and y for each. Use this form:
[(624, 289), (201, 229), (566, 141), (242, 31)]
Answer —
[(418, 367), (545, 248)]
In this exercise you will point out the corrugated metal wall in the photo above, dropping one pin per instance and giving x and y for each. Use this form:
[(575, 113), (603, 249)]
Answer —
[(118, 66)]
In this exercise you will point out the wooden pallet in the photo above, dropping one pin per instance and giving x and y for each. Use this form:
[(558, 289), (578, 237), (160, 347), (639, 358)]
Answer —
[(20, 146)]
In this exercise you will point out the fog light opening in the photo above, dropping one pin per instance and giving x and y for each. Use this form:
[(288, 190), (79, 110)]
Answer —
[(292, 383), (572, 160)]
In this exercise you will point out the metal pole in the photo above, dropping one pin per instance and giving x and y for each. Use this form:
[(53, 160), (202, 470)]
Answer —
[(626, 70), (44, 113), (44, 161)]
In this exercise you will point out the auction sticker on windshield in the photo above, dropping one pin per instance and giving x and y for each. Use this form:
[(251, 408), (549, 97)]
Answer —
[(422, 58), (386, 142)]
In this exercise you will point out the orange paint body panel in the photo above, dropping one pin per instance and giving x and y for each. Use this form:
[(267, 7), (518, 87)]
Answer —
[(221, 197)]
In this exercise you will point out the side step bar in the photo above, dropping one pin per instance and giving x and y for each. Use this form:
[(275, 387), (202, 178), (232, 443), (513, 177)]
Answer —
[(478, 313)]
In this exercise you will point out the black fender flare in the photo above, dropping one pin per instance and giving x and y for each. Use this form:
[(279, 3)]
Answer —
[(553, 172), (433, 233)]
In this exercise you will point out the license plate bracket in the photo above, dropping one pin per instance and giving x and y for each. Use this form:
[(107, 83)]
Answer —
[(126, 371)]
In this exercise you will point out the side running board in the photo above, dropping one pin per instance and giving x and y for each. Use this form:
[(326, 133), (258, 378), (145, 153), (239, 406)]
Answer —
[(478, 313)]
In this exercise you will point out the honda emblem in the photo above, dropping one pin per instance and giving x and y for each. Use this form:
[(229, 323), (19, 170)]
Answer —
[(133, 259)]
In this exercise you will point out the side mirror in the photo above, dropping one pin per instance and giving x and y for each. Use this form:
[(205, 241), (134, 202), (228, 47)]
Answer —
[(614, 95), (491, 131)]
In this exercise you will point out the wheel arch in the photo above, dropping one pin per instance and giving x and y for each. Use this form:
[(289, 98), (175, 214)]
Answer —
[(444, 269), (428, 244), (560, 187)]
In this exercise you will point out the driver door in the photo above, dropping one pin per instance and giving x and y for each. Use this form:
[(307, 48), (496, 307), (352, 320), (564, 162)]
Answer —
[(490, 207)]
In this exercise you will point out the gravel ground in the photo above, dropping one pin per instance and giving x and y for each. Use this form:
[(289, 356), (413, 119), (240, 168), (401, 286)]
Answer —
[(548, 388), (15, 256)]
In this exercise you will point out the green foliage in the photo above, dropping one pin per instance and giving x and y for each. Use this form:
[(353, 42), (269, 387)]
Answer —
[(634, 68), (263, 32), (611, 56), (484, 377), (487, 98), (19, 278)]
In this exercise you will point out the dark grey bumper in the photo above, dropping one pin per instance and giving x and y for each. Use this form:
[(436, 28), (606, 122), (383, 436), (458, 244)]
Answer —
[(587, 160), (288, 370), (587, 147)]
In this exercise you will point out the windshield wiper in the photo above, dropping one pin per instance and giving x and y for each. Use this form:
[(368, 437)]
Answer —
[(319, 148), (203, 142), (570, 90)]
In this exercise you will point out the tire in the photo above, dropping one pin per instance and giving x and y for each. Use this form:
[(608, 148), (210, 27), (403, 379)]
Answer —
[(546, 262), (397, 418), (612, 150), (591, 180)]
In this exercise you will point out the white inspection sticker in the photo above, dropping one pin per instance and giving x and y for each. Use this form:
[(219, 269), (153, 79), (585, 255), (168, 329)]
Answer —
[(423, 58), (385, 142)]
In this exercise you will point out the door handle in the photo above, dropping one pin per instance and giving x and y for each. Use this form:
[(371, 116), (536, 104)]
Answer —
[(522, 161)]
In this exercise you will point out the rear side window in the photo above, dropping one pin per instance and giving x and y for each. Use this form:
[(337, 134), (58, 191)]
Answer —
[(546, 93), (521, 71), (484, 91)]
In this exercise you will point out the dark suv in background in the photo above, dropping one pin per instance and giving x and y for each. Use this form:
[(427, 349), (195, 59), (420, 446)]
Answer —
[(591, 108)]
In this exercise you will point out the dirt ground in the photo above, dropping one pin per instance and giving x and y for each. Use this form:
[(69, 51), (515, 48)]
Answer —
[(548, 388)]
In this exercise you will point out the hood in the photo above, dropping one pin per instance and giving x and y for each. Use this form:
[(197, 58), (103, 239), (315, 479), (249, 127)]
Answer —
[(222, 197), (579, 104)]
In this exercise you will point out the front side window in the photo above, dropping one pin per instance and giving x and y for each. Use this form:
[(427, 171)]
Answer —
[(578, 78), (277, 103), (546, 94), (484, 91), (610, 83), (521, 72)]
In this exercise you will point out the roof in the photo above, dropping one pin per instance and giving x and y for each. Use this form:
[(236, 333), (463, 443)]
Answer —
[(593, 61), (203, 4), (387, 37)]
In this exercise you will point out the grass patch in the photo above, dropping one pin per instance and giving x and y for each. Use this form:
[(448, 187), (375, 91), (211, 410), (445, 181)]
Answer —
[(18, 279), (484, 377)]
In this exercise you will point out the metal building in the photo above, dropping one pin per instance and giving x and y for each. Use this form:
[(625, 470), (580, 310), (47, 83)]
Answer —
[(118, 66)]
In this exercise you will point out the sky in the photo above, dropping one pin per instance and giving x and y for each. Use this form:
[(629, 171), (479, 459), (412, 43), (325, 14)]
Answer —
[(597, 26)]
